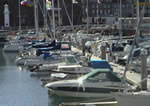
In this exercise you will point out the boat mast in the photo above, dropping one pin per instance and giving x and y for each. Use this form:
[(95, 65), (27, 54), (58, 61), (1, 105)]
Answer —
[(134, 40), (45, 14), (53, 16), (19, 15), (87, 6), (138, 16), (70, 21), (72, 11), (59, 12), (120, 21), (36, 17), (98, 3)]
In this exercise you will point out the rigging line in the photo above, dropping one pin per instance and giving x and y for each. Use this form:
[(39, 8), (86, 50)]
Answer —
[(42, 10), (68, 15), (134, 41), (53, 18), (36, 16), (71, 23), (49, 27), (80, 14)]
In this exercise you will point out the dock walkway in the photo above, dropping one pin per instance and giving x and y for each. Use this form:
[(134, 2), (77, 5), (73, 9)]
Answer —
[(132, 77)]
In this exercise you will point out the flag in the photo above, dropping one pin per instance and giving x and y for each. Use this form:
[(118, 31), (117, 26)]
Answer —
[(27, 3), (48, 4)]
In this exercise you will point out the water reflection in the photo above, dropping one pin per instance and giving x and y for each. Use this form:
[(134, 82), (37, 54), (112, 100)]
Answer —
[(55, 100), (2, 62), (17, 88)]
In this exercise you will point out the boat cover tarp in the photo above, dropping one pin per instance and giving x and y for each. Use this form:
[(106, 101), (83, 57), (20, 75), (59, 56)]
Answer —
[(97, 63)]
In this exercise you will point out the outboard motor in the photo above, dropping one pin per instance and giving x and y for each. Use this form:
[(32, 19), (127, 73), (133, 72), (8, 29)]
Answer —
[(38, 52)]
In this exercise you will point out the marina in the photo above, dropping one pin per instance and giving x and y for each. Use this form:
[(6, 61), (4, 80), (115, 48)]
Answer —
[(75, 53), (20, 76)]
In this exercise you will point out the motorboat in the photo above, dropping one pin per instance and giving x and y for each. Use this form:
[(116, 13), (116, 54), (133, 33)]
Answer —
[(53, 59), (13, 47), (20, 42), (32, 53), (47, 55), (53, 62), (141, 98), (25, 55), (72, 69), (98, 83), (64, 72)]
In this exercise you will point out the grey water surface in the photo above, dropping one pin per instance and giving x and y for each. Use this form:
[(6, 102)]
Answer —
[(18, 87)]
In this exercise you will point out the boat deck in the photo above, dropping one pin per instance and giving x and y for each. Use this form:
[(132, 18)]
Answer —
[(110, 103)]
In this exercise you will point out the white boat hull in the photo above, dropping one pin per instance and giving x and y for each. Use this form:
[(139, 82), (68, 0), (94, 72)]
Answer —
[(87, 86), (80, 94), (22, 60), (11, 48)]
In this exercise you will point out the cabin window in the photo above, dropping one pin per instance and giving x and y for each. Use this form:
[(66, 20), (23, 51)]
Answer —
[(104, 77), (112, 77), (98, 77), (71, 60)]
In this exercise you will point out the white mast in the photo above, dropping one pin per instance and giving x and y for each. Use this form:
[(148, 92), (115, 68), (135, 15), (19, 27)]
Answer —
[(87, 6), (120, 21), (19, 15), (97, 19), (138, 8), (138, 16), (134, 40), (72, 11), (36, 17), (53, 15), (45, 14), (59, 23)]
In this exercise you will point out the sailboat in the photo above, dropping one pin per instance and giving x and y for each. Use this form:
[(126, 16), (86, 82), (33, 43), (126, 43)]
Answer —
[(140, 95)]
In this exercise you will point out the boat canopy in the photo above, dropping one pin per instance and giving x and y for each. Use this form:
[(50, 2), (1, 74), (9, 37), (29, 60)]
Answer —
[(101, 74), (98, 63)]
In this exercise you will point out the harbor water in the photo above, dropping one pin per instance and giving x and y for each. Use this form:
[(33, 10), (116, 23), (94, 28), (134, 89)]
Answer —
[(19, 88)]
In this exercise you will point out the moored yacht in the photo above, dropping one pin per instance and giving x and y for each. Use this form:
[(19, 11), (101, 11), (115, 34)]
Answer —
[(97, 83), (13, 47)]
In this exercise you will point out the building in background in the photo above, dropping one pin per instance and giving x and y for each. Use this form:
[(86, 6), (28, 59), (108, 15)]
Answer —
[(99, 12), (106, 11)]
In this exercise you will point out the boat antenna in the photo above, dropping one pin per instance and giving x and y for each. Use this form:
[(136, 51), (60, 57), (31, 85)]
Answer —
[(139, 19)]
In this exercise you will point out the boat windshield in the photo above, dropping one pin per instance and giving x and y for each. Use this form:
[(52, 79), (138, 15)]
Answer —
[(101, 75), (71, 59)]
